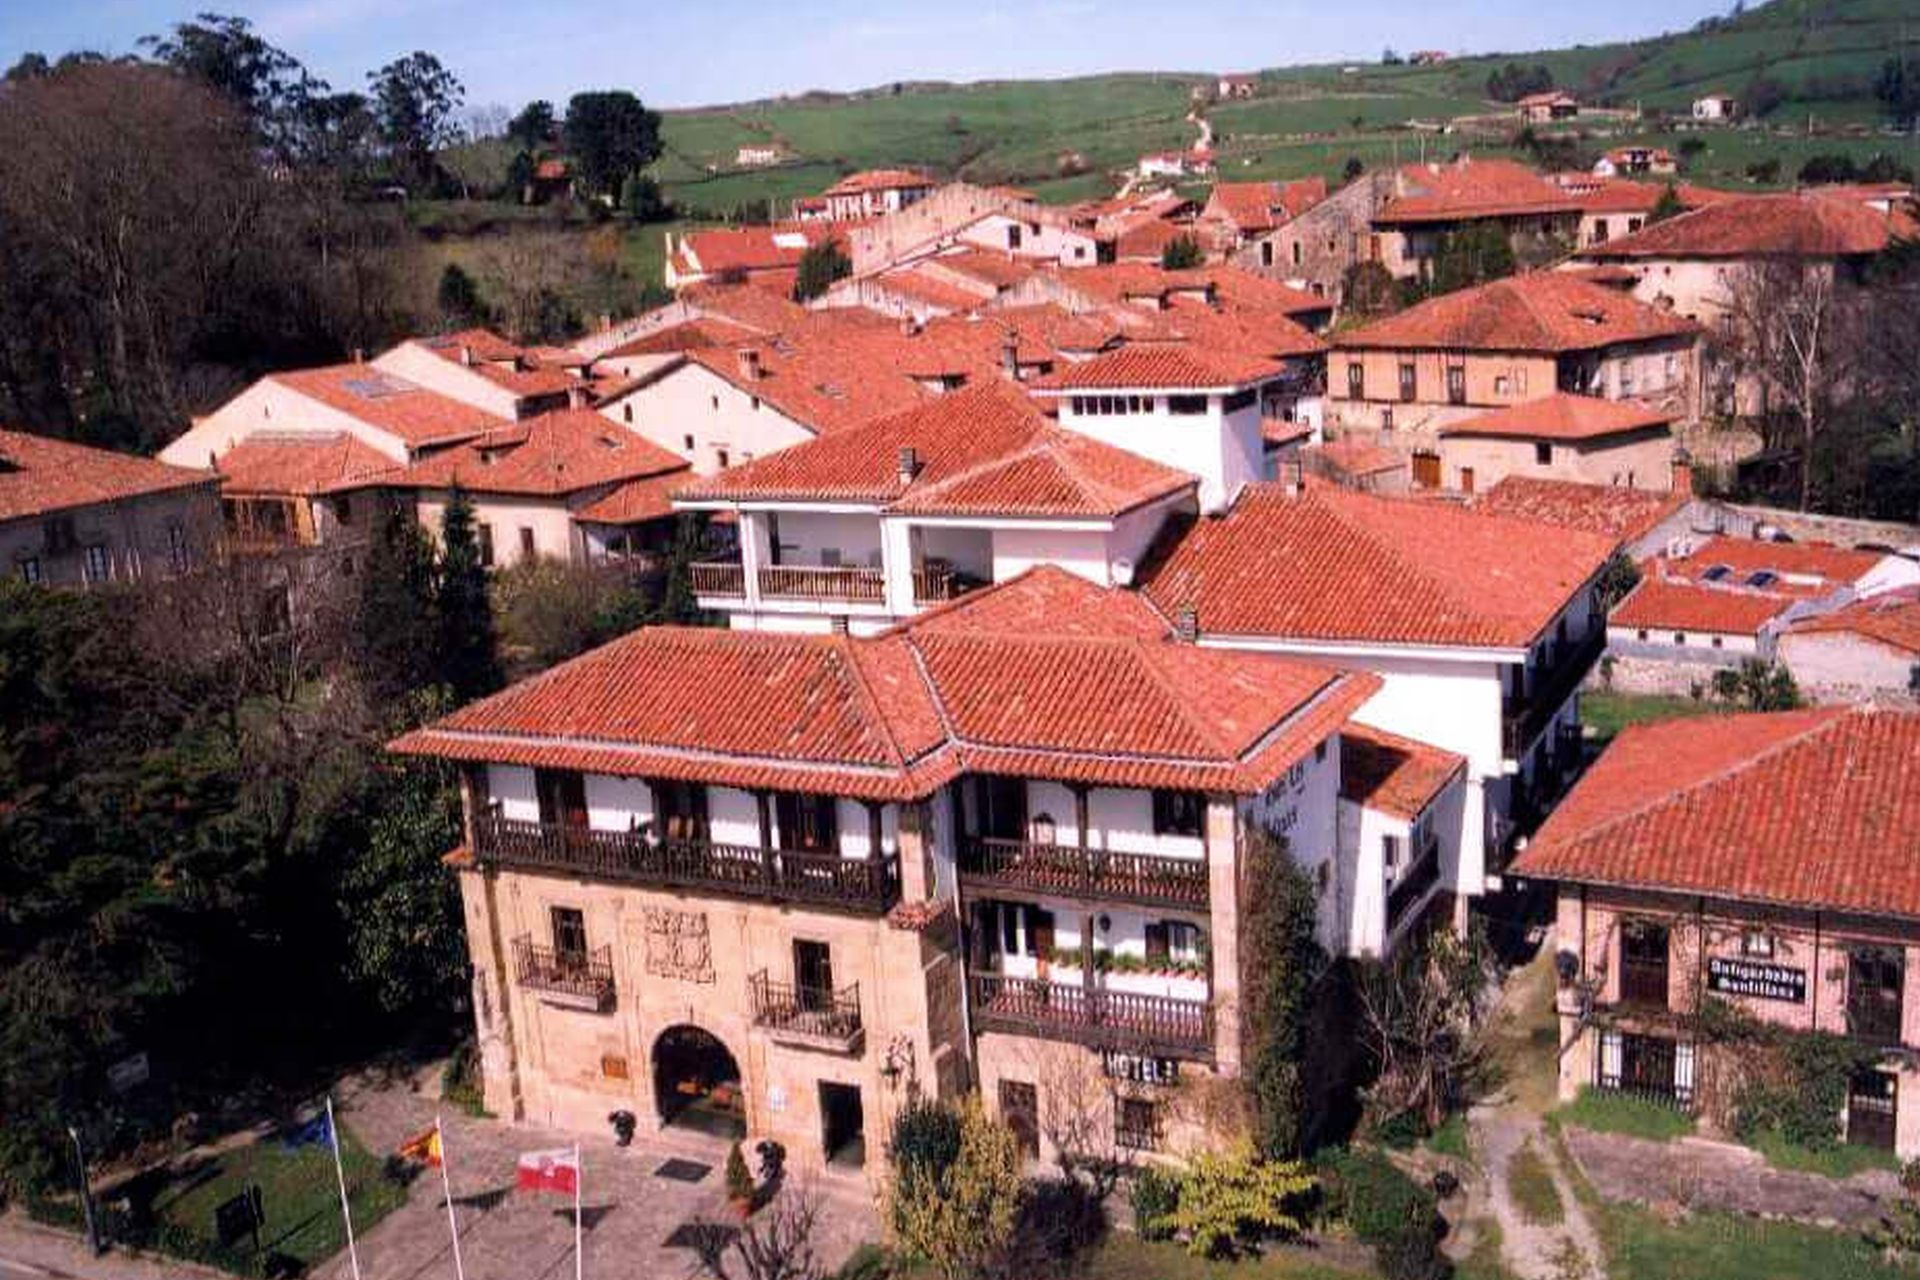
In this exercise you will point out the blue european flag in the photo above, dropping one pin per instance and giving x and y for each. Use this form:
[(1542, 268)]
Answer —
[(315, 1132)]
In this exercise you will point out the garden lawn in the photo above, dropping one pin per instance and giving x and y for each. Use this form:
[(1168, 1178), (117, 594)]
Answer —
[(1841, 1160), (297, 1189), (1531, 1184), (1606, 1112), (1717, 1246), (1126, 1257), (1606, 714)]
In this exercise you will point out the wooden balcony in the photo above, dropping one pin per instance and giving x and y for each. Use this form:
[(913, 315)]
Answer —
[(936, 584), (1566, 664), (1153, 880), (807, 1017), (718, 578), (1413, 884), (847, 584), (576, 980), (825, 880), (1166, 1026)]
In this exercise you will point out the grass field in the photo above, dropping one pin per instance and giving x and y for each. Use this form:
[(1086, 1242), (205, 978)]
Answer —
[(1606, 714), (1716, 1246), (1841, 1160), (1532, 1186), (1607, 1112)]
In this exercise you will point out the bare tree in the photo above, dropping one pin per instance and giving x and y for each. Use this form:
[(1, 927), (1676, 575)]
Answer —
[(776, 1244), (528, 276), (1790, 336), (1078, 1116), (1423, 1017)]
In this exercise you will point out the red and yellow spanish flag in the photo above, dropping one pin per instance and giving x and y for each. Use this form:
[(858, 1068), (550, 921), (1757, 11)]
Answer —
[(423, 1146)]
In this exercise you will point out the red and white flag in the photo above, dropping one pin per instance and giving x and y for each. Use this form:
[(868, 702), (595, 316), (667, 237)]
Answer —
[(557, 1170)]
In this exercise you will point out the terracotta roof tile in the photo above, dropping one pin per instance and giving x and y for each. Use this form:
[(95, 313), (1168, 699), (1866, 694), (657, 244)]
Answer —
[(299, 463), (1470, 188), (550, 454), (1733, 806), (390, 403), (1799, 568), (878, 180), (40, 475), (1396, 775), (1658, 604), (1046, 600), (1614, 510), (1892, 618), (1355, 457), (1332, 564), (1751, 226), (1261, 206), (634, 501), (506, 364), (1561, 416), (1161, 366), (1548, 311)]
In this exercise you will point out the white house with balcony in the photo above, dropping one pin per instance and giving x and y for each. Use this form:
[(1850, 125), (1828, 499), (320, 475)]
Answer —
[(862, 528)]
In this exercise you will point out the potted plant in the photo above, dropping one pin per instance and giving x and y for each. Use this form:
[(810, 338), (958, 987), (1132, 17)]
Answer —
[(740, 1186)]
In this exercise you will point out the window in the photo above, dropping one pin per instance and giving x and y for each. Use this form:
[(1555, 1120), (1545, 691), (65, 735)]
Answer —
[(1716, 642), (1177, 813), (1409, 382), (1542, 453), (680, 810), (626, 412), (1600, 231), (1634, 224), (484, 535), (1187, 405), (569, 936), (714, 400), (1013, 235), (1762, 578), (1172, 942), (1239, 400), (830, 558), (1679, 637), (1296, 253), (526, 543), (1390, 852), (1386, 418), (177, 553), (689, 443), (343, 509), (1501, 384), (754, 403), (98, 566), (1320, 750), (1356, 380), (1136, 1124), (1456, 384), (1642, 634), (30, 569), (808, 822), (1757, 945), (720, 457)]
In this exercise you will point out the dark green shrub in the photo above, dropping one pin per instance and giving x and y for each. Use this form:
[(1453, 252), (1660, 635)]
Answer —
[(1386, 1209), (739, 1178), (1155, 1194), (927, 1135), (1400, 1131)]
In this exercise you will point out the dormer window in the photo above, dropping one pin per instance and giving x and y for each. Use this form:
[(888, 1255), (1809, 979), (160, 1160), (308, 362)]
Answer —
[(1718, 573)]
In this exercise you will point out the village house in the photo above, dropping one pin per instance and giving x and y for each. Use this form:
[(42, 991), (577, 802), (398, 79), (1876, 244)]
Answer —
[(1355, 464), (1561, 437), (758, 155), (961, 215), (1511, 343), (565, 485), (1166, 164), (767, 256), (1480, 627), (76, 516), (1611, 207), (873, 193), (1237, 213), (1239, 85), (1643, 522), (1713, 108), (1547, 107), (1765, 861), (1629, 162), (1425, 203), (1867, 650), (863, 528), (1314, 249), (482, 369), (777, 884)]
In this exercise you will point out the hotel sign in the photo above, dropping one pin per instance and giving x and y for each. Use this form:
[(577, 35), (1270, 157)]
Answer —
[(1729, 977)]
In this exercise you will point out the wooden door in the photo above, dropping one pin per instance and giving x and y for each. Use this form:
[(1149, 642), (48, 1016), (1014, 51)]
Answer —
[(1020, 1111), (812, 973), (1426, 470), (563, 797), (1466, 479)]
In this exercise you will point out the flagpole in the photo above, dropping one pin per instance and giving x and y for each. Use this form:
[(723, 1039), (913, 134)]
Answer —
[(579, 1176), (340, 1173), (446, 1185)]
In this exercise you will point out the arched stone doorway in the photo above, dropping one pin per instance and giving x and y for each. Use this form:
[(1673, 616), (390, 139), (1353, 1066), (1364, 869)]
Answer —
[(696, 1083)]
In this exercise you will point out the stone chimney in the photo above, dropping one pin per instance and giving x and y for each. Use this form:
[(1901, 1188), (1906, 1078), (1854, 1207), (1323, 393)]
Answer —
[(1290, 476), (1186, 624), (749, 358), (359, 355), (910, 463), (1682, 482)]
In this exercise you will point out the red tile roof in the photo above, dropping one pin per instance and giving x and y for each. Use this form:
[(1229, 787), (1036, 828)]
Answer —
[(1892, 618), (899, 715), (1561, 416), (1660, 604), (39, 476), (1332, 564), (1545, 311), (299, 463), (1470, 188), (878, 180), (548, 455), (1046, 600), (1812, 809), (718, 250), (1613, 510), (506, 364), (1625, 195), (403, 409), (984, 450), (1262, 206), (634, 501), (1395, 775), (1356, 457), (700, 331), (1157, 366), (1753, 226), (1802, 568)]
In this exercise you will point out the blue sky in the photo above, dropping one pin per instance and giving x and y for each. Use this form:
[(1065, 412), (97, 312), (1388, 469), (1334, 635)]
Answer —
[(706, 51)]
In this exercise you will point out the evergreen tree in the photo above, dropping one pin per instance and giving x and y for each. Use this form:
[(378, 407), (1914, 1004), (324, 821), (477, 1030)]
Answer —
[(1667, 206), (395, 640), (469, 658), (1282, 963), (1181, 254), (677, 602), (819, 267), (459, 298)]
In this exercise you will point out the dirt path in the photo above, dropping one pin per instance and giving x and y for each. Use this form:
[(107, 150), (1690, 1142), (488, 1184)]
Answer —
[(1533, 1251)]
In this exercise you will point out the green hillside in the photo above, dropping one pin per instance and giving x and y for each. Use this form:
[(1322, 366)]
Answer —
[(1065, 138)]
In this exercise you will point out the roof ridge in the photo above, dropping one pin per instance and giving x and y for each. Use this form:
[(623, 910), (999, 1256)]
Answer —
[(1825, 719), (844, 651), (1188, 716)]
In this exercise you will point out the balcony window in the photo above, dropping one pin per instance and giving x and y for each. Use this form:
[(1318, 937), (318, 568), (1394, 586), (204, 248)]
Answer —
[(569, 936), (563, 797), (1000, 808), (1136, 1124), (1178, 813), (680, 810), (1187, 406), (1390, 853), (1172, 942), (1542, 453), (808, 823)]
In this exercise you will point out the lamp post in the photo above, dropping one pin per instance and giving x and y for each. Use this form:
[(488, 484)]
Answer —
[(86, 1192)]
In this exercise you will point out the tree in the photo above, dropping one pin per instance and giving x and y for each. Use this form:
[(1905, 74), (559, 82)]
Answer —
[(1897, 86), (534, 127), (678, 604), (1765, 172), (1423, 1019), (399, 911), (395, 634), (1619, 576), (1668, 205), (469, 660), (641, 199), (1469, 255), (1757, 686), (1281, 963), (1829, 167), (610, 135), (1182, 253), (1691, 148), (414, 102), (1229, 1202), (1352, 169), (1368, 290), (1763, 96), (30, 66), (533, 279), (820, 265), (459, 298), (1388, 58), (1077, 1108), (1514, 82), (776, 1244), (268, 85), (957, 1218)]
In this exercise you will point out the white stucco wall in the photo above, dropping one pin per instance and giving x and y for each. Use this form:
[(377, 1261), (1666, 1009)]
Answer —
[(554, 535), (449, 377), (692, 403), (1843, 663), (269, 406), (1223, 450)]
